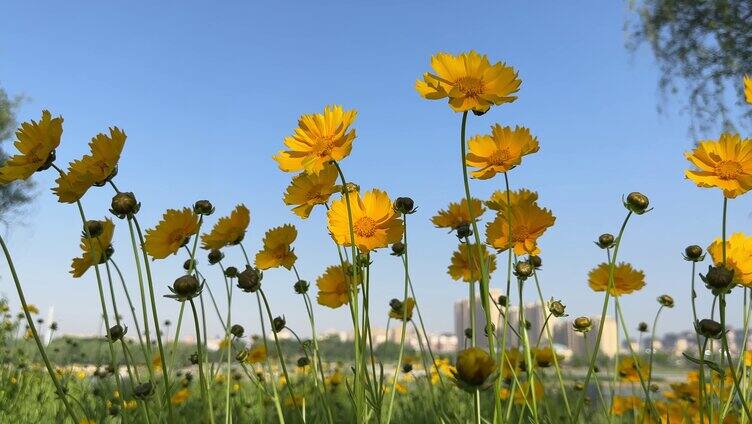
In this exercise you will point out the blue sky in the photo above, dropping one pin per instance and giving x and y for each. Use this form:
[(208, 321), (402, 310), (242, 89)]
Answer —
[(207, 92)]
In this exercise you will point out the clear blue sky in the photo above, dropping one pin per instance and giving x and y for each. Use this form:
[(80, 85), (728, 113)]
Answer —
[(206, 94)]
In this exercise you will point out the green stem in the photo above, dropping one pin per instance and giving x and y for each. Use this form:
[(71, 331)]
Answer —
[(37, 340), (201, 352)]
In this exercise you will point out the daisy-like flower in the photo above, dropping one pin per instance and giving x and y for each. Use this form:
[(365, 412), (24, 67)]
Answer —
[(228, 230), (725, 164), (512, 360), (528, 221), (334, 286), (465, 265), (32, 309), (95, 250), (626, 279), (748, 89), (277, 249), (499, 151), (320, 138), (36, 143), (308, 190), (623, 404), (256, 355), (523, 394), (91, 170), (180, 396), (738, 256), (470, 82), (403, 309), (171, 233), (475, 369), (457, 214), (544, 357), (375, 223), (498, 200), (629, 370)]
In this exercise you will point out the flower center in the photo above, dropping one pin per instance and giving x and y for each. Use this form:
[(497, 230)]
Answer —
[(323, 146), (499, 157), (728, 170), (314, 194), (365, 227), (521, 234), (470, 86)]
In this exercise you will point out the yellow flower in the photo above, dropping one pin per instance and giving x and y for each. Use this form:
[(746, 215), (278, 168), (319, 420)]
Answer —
[(544, 357), (398, 387), (228, 230), (626, 279), (629, 370), (738, 256), (375, 223), (529, 222), (335, 379), (748, 358), (725, 164), (36, 143), (334, 286), (469, 81), (308, 190), (294, 400), (130, 405), (405, 310), (523, 392), (458, 214), (748, 88), (444, 367), (277, 251), (94, 169), (171, 233), (512, 361), (156, 362), (474, 368), (623, 404), (94, 250), (465, 265), (498, 200), (180, 396), (32, 309), (256, 355), (500, 151), (320, 138)]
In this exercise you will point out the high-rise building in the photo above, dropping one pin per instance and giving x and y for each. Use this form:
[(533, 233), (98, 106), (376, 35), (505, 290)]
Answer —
[(462, 318)]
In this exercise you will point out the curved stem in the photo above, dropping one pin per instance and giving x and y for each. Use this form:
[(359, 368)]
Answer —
[(37, 340), (652, 350)]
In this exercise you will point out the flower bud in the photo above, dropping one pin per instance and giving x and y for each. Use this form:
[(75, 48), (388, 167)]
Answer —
[(535, 261), (189, 264), (193, 358), (556, 308), (215, 255), (124, 204), (203, 207), (301, 287), (303, 362), (237, 330), (143, 390), (186, 287), (116, 332), (406, 368), (362, 260), (582, 324), (605, 241), (398, 249), (642, 327), (523, 270), (502, 300), (404, 205), (278, 324), (709, 328), (93, 228), (637, 203), (666, 300), (694, 253), (231, 272), (469, 333), (250, 279), (718, 277), (464, 231)]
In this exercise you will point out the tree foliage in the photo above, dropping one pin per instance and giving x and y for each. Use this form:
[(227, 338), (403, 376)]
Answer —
[(15, 195), (703, 49)]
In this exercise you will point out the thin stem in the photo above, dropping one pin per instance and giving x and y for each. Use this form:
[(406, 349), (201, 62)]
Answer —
[(200, 352)]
